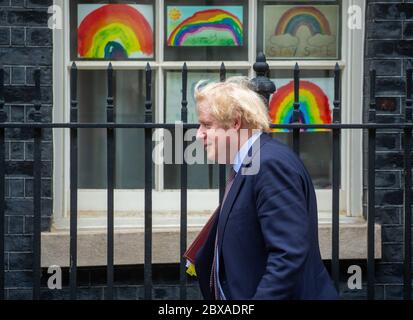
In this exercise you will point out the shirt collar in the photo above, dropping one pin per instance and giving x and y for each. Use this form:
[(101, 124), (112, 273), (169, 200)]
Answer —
[(243, 151)]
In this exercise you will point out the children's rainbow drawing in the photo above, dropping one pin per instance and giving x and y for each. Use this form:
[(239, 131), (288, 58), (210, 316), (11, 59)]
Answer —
[(296, 17), (197, 26), (114, 31), (314, 105), (304, 32)]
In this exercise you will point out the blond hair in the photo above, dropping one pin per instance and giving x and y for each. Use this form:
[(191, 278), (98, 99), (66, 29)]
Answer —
[(232, 98)]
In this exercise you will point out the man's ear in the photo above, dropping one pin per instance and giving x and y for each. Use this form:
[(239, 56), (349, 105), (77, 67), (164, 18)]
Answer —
[(237, 123)]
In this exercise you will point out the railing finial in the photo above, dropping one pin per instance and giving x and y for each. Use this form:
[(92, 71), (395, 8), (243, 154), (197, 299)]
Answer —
[(184, 103), (222, 72), (38, 96), (110, 100), (261, 83), (372, 109), (73, 93), (337, 95), (409, 103), (296, 112), (148, 102), (3, 115)]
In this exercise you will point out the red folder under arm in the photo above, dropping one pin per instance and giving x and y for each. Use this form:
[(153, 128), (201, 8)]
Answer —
[(200, 239)]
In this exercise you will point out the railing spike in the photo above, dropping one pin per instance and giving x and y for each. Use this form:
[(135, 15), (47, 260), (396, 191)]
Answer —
[(222, 72), (148, 85)]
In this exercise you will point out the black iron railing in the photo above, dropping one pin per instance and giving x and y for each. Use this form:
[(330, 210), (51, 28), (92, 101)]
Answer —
[(262, 85)]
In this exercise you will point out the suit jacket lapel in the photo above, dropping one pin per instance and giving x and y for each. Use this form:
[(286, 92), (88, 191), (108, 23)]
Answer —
[(226, 209), (236, 186)]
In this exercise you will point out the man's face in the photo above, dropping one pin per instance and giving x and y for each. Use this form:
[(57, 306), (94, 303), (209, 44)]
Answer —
[(215, 139)]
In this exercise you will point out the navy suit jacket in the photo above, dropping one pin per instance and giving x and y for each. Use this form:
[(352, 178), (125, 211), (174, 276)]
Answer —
[(268, 232)]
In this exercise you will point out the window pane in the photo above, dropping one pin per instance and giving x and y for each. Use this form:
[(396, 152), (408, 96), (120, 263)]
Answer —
[(129, 108), (316, 103), (112, 30), (200, 176), (206, 30), (309, 30)]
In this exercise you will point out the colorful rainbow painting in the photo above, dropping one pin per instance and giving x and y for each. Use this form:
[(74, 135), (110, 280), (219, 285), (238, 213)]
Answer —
[(299, 16), (114, 31), (314, 105), (218, 22)]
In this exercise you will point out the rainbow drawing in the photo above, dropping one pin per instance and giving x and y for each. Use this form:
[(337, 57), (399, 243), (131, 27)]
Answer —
[(115, 31), (314, 105), (196, 26), (299, 16)]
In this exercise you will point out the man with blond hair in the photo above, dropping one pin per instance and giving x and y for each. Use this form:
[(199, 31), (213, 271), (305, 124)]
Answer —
[(263, 240)]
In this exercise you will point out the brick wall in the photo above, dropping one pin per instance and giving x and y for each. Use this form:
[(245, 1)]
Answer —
[(128, 284), (389, 49), (25, 43)]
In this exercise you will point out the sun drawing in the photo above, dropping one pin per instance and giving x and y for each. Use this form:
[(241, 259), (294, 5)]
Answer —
[(175, 14)]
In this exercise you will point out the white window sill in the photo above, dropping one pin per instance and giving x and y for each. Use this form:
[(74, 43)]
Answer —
[(129, 239)]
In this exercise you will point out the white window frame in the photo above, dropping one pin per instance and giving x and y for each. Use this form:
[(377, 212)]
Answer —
[(92, 203)]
